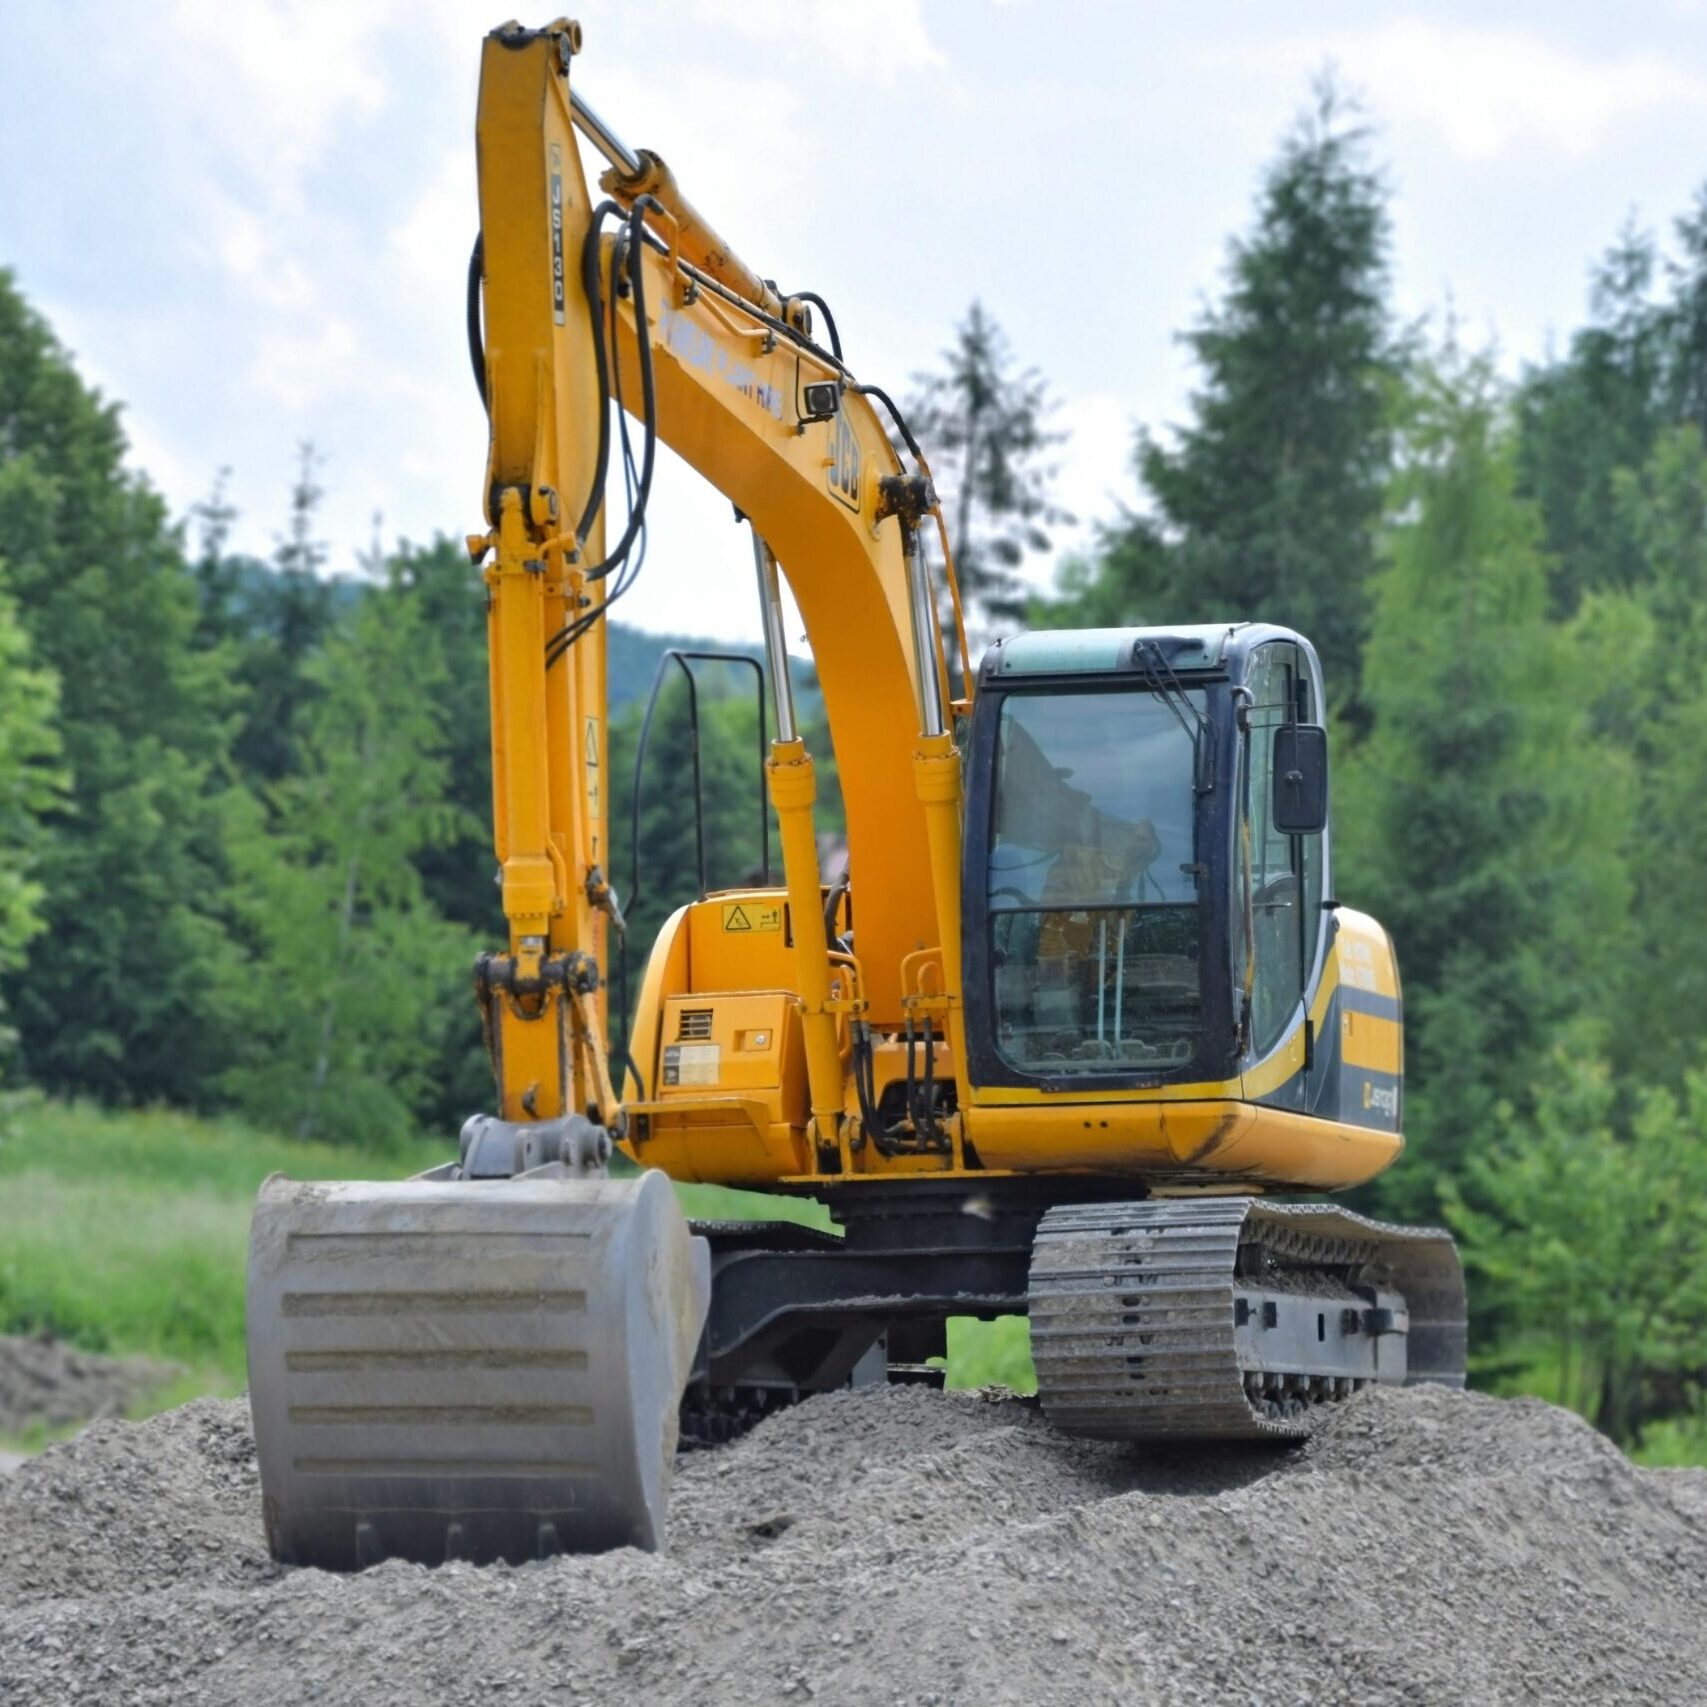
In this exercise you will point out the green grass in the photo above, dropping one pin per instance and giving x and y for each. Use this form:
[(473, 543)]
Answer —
[(127, 1233), (1673, 1443), (991, 1354)]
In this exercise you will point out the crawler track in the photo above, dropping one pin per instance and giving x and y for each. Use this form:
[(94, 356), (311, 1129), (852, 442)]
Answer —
[(1148, 1319)]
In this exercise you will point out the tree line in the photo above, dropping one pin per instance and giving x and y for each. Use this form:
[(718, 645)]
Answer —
[(244, 805), (1507, 581)]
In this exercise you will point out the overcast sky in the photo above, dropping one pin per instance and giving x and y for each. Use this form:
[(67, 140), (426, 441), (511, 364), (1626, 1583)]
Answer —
[(250, 219)]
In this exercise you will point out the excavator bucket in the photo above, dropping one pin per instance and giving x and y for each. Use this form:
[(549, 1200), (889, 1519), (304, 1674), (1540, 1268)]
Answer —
[(469, 1369)]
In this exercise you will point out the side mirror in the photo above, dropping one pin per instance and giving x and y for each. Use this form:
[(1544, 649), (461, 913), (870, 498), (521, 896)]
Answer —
[(1301, 779)]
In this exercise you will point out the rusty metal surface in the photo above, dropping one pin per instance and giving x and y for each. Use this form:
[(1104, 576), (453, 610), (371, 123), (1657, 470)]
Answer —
[(478, 1369), (1133, 1313)]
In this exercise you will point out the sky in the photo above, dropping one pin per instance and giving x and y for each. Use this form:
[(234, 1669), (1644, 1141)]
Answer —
[(250, 219)]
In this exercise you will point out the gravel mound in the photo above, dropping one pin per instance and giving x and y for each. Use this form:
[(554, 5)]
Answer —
[(45, 1383), (901, 1546)]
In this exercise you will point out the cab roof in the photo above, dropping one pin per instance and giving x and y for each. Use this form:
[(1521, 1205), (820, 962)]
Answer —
[(1187, 648)]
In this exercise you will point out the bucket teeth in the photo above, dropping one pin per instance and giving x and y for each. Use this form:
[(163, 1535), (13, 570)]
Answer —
[(475, 1370)]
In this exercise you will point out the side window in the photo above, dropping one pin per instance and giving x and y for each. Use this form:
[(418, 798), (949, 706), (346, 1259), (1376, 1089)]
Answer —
[(1311, 856), (1281, 875)]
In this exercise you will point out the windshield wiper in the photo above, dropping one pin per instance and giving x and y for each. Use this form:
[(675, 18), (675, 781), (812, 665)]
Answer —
[(1171, 691)]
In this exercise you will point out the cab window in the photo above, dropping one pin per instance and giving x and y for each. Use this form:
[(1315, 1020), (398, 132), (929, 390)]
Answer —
[(1280, 876)]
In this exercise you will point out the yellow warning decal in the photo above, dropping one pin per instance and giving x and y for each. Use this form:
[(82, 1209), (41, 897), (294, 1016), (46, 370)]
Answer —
[(752, 916), (595, 795)]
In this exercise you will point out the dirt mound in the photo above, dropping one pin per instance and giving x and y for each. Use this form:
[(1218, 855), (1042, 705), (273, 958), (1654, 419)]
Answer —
[(897, 1545), (47, 1384)]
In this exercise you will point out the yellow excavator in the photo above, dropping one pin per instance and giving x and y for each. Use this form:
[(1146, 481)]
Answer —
[(1083, 1001)]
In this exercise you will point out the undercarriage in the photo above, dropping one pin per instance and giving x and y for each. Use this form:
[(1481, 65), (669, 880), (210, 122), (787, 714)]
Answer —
[(1160, 1318)]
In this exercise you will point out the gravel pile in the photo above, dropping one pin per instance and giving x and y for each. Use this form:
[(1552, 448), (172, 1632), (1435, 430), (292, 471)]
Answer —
[(902, 1546), (45, 1383)]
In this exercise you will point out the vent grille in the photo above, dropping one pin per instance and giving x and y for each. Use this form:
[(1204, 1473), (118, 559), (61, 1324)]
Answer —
[(695, 1024)]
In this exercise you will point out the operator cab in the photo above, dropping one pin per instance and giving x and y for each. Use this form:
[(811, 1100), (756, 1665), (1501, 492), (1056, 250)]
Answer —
[(1146, 854)]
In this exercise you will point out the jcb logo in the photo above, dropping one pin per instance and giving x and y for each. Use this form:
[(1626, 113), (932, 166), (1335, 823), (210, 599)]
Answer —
[(843, 472)]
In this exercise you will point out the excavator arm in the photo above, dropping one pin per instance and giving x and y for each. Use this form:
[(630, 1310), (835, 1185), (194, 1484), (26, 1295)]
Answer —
[(635, 299), (486, 1362)]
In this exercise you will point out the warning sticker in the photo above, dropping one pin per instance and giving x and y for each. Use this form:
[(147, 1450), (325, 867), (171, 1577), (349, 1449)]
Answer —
[(692, 1063), (595, 797), (752, 916)]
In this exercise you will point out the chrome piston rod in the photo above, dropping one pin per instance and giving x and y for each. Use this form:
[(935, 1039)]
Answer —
[(602, 137)]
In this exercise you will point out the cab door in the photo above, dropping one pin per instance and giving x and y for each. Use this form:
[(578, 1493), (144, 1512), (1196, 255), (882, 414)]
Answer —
[(1280, 878)]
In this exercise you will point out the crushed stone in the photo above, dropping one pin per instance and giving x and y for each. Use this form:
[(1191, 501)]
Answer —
[(45, 1383), (897, 1545)]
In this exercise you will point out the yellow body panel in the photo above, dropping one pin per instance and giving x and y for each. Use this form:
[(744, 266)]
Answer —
[(1170, 1134), (765, 1091)]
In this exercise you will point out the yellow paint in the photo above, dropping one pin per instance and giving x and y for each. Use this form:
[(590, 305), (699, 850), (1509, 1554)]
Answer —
[(749, 916), (743, 986), (1371, 1042)]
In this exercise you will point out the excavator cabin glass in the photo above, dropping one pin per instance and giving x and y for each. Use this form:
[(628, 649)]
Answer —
[(1094, 884), (1133, 913)]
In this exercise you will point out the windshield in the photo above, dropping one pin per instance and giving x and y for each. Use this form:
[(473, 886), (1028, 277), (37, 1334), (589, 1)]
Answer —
[(1093, 882)]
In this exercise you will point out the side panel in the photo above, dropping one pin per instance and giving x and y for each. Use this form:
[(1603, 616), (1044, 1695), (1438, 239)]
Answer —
[(1216, 1143), (1357, 1054), (717, 1039)]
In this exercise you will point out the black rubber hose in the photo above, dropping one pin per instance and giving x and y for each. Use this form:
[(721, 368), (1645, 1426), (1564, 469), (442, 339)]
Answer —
[(865, 1088), (823, 308), (648, 398), (832, 902), (610, 385), (595, 305), (928, 1131), (476, 340), (900, 420)]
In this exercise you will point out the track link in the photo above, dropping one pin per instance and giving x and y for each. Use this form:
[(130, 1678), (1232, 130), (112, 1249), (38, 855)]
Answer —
[(1146, 1318)]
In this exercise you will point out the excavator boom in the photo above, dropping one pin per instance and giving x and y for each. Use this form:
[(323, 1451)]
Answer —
[(487, 1362)]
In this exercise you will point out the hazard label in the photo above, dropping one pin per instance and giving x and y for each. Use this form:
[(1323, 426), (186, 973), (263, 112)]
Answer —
[(752, 916), (595, 799)]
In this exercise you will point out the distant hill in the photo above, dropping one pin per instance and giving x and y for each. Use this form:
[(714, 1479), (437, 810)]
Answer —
[(633, 655), (633, 658)]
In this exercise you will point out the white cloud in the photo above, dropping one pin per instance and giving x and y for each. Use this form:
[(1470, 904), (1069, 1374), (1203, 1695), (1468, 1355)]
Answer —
[(1487, 91), (278, 76), (877, 38), (440, 222), (1095, 475), (254, 255), (301, 370)]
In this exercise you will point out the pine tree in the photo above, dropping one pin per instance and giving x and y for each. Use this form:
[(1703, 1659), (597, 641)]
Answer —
[(1482, 818), (1684, 320), (1590, 414), (1660, 714), (218, 574), (1265, 504), (1587, 1231), (451, 599), (986, 429), (345, 1010), (291, 612), (31, 782), (131, 1003)]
